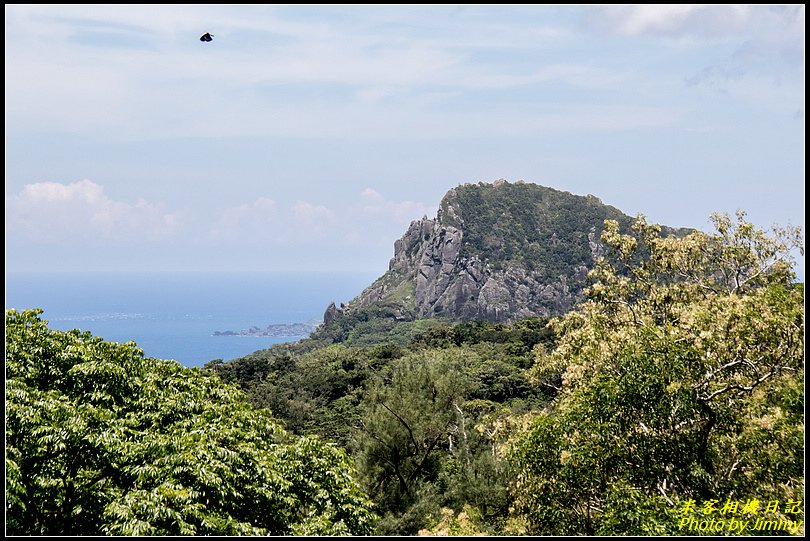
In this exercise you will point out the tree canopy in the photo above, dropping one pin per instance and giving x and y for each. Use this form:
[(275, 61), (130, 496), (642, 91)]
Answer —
[(100, 440), (423, 420), (679, 379), (676, 386)]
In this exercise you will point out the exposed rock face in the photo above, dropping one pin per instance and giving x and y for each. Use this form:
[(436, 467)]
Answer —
[(499, 252), (427, 258), (331, 313)]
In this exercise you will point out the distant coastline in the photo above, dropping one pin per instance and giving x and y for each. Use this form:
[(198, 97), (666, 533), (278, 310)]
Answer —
[(275, 330), (173, 315)]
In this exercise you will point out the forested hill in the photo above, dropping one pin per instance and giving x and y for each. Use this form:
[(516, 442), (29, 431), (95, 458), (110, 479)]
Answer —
[(498, 252), (676, 386), (672, 399)]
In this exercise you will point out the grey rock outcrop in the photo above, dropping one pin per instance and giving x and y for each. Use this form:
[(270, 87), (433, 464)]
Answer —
[(431, 275), (331, 313), (427, 259), (498, 252)]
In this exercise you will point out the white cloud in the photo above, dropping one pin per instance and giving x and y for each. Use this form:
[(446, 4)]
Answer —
[(767, 37), (265, 222), (371, 219), (374, 205), (51, 212), (164, 84), (248, 220), (704, 21), (313, 217), (751, 53), (643, 19)]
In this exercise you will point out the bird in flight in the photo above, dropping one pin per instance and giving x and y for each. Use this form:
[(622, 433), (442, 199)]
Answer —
[(206, 37)]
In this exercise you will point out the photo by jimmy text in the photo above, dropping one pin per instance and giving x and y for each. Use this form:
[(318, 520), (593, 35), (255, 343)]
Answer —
[(739, 517)]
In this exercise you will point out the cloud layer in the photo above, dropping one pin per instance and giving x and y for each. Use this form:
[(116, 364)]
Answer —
[(52, 212), (287, 72), (81, 215), (316, 133)]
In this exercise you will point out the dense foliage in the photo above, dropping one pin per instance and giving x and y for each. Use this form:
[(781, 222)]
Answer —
[(681, 381), (495, 251), (676, 385), (100, 440), (544, 229), (424, 420), (375, 324)]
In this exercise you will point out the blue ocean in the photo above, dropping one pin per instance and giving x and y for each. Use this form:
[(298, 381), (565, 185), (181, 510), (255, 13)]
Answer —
[(175, 315)]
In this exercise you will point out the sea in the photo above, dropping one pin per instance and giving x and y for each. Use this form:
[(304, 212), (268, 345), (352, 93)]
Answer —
[(175, 315)]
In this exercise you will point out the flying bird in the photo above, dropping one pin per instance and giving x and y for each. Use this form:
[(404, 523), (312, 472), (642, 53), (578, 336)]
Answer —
[(206, 37)]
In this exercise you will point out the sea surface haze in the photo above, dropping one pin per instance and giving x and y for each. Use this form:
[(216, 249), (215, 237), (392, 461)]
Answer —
[(174, 315)]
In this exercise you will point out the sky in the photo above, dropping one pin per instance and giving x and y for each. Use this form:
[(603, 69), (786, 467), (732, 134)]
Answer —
[(309, 137)]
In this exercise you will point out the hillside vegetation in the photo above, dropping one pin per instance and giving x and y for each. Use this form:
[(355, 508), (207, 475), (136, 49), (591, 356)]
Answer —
[(547, 231), (672, 394), (496, 252), (679, 381), (102, 441)]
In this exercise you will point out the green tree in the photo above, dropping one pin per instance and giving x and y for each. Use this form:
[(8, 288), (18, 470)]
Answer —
[(678, 379), (100, 440), (407, 420), (428, 442)]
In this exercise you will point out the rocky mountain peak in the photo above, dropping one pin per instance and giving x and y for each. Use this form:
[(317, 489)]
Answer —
[(496, 251)]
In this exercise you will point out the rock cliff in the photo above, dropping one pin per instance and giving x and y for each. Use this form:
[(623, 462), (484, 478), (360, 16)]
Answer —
[(499, 252)]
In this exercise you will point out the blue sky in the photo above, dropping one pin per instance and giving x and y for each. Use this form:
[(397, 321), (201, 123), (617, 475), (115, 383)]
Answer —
[(309, 137)]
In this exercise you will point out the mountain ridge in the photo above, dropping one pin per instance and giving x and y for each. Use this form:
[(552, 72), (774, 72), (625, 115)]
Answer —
[(499, 252)]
